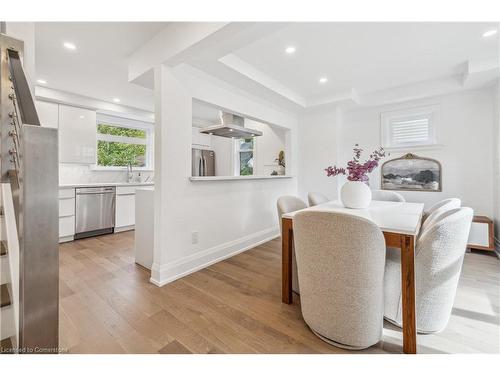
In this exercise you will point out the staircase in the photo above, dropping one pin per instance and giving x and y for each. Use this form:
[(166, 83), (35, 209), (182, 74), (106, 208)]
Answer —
[(9, 275), (29, 262)]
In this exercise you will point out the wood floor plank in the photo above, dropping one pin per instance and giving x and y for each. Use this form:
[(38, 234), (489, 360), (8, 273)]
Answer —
[(175, 347), (108, 305)]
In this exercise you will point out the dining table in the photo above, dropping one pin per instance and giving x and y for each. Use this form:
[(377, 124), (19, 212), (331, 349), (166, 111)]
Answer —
[(400, 224)]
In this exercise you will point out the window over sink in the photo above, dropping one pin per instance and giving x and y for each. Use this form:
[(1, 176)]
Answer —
[(122, 141)]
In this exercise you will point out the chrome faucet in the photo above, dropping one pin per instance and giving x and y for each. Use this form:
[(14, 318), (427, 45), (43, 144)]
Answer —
[(130, 173)]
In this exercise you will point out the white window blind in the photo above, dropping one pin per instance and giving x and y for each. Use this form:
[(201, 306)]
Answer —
[(410, 131), (409, 128)]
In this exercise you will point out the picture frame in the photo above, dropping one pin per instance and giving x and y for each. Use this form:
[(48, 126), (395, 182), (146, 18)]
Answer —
[(411, 173)]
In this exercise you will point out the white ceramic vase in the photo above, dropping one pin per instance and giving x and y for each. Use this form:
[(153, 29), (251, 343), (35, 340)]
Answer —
[(355, 194)]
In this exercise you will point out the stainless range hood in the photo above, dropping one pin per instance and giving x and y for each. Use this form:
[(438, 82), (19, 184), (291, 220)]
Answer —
[(231, 126)]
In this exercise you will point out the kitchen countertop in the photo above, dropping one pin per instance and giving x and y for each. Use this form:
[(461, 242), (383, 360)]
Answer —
[(99, 184)]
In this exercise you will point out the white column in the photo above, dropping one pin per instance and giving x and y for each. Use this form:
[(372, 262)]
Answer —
[(173, 106)]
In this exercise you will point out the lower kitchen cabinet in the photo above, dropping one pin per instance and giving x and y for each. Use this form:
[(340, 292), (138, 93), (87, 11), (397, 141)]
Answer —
[(125, 212), (66, 214), (66, 228)]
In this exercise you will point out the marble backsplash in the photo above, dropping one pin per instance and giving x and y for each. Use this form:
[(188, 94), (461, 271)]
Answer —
[(79, 173)]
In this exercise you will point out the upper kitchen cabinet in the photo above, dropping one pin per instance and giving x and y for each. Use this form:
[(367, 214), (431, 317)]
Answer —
[(48, 113), (77, 135)]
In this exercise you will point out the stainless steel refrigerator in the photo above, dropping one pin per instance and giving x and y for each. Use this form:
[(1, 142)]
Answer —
[(202, 162)]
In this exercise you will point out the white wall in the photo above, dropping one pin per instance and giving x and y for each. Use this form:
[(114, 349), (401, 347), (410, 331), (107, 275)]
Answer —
[(465, 130), (229, 216), (318, 148), (496, 163)]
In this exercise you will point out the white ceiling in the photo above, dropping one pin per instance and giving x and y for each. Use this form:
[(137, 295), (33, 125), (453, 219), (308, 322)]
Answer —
[(98, 68), (357, 58)]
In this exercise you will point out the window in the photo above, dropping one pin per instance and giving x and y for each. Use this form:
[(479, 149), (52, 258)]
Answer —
[(409, 128), (121, 142), (245, 156)]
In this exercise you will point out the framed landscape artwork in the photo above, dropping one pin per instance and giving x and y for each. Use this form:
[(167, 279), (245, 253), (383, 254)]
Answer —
[(411, 173)]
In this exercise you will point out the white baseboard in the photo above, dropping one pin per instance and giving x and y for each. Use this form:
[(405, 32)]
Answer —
[(66, 239), (124, 229), (166, 273)]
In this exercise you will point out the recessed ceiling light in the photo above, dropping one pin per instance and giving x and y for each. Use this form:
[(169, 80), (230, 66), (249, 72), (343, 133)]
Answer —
[(323, 80), (69, 45), (116, 100), (41, 81), (290, 50), (490, 33), (82, 116)]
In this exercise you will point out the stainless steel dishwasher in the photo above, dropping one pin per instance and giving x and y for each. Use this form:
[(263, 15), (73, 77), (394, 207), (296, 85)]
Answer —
[(95, 211)]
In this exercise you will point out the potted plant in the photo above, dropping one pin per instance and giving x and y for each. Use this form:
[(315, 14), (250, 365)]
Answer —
[(281, 163), (355, 193)]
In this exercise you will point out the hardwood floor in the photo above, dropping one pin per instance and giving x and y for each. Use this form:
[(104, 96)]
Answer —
[(107, 305)]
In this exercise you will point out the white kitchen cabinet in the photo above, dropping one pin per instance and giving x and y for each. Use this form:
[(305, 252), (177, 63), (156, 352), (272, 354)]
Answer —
[(66, 228), (66, 207), (77, 135), (48, 113), (66, 214), (200, 139), (125, 208)]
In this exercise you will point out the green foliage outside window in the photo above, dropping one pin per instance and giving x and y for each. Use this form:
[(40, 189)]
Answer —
[(117, 154), (124, 132), (246, 157)]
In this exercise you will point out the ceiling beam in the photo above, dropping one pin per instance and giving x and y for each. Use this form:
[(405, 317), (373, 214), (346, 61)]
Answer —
[(185, 42)]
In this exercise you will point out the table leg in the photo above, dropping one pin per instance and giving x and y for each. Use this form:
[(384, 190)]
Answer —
[(286, 259), (408, 294)]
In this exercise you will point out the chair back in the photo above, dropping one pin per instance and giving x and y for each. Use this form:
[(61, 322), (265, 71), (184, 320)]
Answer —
[(386, 195), (316, 198), (437, 211), (340, 261), (289, 203), (439, 257), (449, 203)]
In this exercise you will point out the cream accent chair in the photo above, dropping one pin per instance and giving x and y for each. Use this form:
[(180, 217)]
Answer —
[(445, 204), (289, 203), (439, 256), (385, 195), (340, 260), (316, 198)]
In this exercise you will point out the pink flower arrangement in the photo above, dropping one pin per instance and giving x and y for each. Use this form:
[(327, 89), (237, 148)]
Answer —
[(355, 170)]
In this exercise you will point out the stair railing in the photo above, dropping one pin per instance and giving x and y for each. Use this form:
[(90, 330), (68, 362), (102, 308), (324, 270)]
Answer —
[(29, 166)]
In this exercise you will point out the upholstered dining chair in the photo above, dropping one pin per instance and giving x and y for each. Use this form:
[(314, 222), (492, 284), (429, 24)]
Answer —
[(439, 256), (385, 195), (340, 261), (439, 213), (447, 204), (289, 203), (316, 198)]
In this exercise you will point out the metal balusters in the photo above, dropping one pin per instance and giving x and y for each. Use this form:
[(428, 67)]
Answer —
[(15, 150)]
